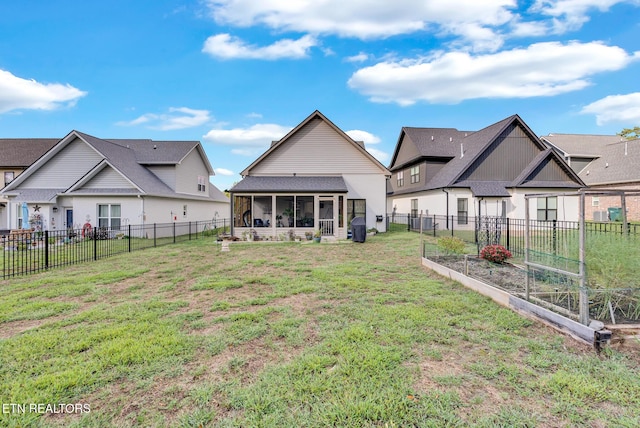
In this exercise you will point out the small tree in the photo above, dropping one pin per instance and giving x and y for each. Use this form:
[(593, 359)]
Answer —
[(630, 133)]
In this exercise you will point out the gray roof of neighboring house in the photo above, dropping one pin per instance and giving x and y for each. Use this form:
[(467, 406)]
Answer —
[(294, 184), (581, 145), (37, 195), (619, 163), (615, 160), (22, 152)]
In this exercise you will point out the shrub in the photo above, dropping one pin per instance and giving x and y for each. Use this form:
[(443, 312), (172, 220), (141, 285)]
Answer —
[(451, 245), (495, 253)]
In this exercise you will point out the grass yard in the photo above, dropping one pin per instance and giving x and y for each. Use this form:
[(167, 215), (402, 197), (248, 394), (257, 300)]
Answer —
[(291, 335)]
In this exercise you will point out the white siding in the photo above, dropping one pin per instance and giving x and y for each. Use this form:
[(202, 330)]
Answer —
[(316, 149), (373, 189), (166, 173), (187, 174), (108, 178), (434, 202), (65, 168)]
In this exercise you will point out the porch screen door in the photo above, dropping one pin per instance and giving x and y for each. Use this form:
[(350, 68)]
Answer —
[(327, 226)]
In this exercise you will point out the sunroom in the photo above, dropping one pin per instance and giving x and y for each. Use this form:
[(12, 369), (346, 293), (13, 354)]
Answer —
[(276, 206)]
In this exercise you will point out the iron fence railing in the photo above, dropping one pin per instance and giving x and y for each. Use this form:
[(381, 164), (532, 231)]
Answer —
[(548, 236), (26, 251)]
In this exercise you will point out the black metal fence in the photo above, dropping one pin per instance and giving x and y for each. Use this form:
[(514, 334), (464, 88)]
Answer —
[(550, 236), (25, 251)]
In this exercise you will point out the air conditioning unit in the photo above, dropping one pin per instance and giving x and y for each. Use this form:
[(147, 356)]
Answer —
[(600, 216)]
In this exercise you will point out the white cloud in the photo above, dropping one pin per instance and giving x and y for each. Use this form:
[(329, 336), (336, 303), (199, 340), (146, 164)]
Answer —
[(225, 46), (383, 157), (365, 136), (25, 94), (542, 69), (177, 118), (365, 19), (247, 141), (616, 109), (224, 171), (570, 15), (361, 57)]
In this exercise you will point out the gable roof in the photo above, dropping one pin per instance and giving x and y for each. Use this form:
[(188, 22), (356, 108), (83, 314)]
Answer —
[(463, 149), (128, 158), (22, 152), (315, 115)]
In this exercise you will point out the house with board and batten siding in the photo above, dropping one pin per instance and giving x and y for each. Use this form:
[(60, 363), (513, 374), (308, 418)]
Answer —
[(444, 171), (111, 183), (315, 178)]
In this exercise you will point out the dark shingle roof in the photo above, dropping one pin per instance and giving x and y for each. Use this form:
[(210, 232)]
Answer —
[(294, 184), (450, 143), (22, 152)]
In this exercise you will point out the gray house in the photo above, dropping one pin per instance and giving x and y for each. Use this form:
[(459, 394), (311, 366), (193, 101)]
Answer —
[(444, 171), (111, 183)]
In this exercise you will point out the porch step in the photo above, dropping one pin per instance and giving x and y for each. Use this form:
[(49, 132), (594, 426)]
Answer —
[(330, 239)]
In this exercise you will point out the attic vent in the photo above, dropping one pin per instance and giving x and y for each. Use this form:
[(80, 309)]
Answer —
[(432, 138), (155, 147), (461, 150), (450, 139)]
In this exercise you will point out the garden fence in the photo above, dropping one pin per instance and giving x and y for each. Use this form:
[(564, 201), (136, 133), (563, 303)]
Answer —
[(26, 251)]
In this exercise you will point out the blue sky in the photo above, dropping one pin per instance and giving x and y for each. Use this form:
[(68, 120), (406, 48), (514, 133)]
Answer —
[(237, 74)]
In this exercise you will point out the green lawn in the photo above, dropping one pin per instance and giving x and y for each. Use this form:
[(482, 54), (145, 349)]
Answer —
[(292, 335)]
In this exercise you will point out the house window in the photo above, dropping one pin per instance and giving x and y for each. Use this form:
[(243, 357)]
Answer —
[(184, 211), (400, 178), (242, 211), (463, 210), (19, 216), (414, 208), (548, 208), (202, 186), (8, 177), (356, 208), (595, 201), (109, 216), (415, 174)]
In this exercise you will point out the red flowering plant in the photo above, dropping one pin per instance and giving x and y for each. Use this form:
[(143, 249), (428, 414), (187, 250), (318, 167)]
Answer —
[(495, 253)]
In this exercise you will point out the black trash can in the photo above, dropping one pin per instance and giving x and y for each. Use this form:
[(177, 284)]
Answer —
[(358, 229)]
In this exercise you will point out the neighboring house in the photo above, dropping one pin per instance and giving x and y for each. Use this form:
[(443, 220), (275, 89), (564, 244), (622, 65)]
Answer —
[(315, 178), (443, 171), (113, 183), (16, 154), (603, 162)]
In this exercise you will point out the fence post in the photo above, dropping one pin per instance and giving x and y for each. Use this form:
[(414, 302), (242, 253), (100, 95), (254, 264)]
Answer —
[(174, 233), (451, 225), (129, 237), (190, 229), (434, 225), (508, 234), (154, 235), (408, 223), (95, 243), (46, 249)]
